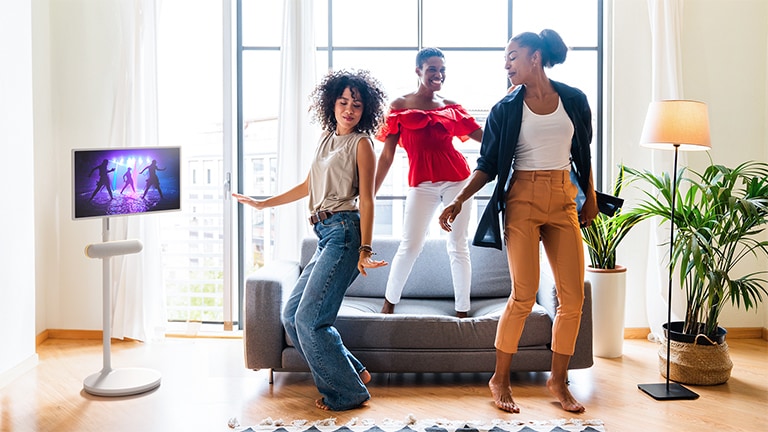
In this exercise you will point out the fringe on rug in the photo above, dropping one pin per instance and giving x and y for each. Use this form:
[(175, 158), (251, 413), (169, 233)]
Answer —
[(392, 425)]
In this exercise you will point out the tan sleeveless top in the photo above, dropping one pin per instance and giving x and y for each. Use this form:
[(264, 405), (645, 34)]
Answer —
[(333, 177)]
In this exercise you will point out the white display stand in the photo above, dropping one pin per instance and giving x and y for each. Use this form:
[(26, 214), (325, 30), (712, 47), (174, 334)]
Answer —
[(125, 381)]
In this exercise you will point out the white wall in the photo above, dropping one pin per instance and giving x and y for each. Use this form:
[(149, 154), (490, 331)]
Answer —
[(725, 62), (76, 66), (764, 309), (725, 53), (47, 204), (17, 230), (735, 93)]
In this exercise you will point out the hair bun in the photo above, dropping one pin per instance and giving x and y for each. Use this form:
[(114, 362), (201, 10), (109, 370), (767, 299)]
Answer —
[(554, 49)]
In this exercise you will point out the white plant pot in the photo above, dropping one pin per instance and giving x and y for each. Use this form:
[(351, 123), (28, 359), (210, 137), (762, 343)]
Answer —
[(609, 288)]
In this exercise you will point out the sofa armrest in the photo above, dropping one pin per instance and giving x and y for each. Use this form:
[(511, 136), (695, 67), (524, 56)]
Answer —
[(547, 297), (547, 294), (263, 333)]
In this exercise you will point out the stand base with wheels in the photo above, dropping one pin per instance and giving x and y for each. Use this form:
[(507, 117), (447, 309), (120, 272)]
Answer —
[(125, 381), (668, 391)]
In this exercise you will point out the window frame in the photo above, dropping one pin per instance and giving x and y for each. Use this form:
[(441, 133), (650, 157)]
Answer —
[(329, 51)]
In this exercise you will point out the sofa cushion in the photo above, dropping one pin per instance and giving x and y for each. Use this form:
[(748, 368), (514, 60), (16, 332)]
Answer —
[(431, 273), (430, 324)]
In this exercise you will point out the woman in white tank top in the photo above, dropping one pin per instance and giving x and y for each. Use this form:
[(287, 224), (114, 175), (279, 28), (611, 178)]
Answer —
[(532, 140)]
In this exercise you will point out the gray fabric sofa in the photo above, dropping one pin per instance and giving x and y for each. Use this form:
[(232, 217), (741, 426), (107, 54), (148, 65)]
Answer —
[(424, 334)]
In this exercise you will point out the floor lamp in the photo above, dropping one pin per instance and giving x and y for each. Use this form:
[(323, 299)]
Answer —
[(674, 125)]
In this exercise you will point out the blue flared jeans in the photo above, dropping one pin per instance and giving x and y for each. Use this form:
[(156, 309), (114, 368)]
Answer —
[(313, 305)]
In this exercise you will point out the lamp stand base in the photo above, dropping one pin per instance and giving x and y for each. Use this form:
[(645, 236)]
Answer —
[(667, 391)]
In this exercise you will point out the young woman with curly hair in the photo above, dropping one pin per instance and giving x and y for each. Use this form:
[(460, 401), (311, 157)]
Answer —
[(340, 185)]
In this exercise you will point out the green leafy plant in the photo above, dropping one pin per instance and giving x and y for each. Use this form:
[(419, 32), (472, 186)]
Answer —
[(604, 235), (719, 218)]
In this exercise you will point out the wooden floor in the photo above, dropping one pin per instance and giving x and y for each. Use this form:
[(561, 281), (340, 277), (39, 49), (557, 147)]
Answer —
[(204, 385)]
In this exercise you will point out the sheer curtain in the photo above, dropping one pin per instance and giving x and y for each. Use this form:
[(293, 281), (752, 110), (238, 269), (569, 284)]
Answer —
[(137, 290), (667, 83), (296, 136)]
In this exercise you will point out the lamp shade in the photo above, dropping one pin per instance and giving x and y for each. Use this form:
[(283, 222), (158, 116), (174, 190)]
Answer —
[(676, 123)]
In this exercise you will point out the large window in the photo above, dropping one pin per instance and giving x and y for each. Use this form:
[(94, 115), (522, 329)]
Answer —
[(384, 38), (190, 98), (381, 36)]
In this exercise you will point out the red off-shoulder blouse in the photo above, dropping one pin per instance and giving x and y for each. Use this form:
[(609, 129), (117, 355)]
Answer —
[(427, 137)]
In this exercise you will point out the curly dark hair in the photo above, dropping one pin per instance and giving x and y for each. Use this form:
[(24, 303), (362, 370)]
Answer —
[(331, 88)]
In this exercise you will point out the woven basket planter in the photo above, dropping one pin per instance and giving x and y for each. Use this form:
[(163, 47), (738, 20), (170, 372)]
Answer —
[(703, 362)]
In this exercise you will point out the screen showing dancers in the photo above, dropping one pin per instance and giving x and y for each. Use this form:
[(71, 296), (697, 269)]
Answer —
[(125, 181)]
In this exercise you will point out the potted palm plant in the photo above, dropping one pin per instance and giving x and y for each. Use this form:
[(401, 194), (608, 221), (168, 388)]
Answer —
[(605, 233), (608, 279), (719, 219)]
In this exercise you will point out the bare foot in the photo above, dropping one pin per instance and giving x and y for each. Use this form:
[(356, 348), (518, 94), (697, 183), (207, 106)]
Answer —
[(461, 314), (561, 392), (365, 376), (320, 403), (502, 396), (388, 307)]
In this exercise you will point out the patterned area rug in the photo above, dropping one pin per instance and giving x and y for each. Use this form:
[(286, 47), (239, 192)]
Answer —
[(434, 425)]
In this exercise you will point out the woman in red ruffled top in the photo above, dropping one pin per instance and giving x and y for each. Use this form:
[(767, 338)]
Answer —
[(424, 124)]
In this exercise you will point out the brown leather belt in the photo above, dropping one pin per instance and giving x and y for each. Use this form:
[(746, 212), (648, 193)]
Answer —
[(320, 216)]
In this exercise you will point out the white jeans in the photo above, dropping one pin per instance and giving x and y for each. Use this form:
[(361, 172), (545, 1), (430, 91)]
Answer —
[(420, 205)]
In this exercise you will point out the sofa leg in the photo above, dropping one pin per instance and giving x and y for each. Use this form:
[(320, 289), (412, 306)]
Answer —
[(271, 376)]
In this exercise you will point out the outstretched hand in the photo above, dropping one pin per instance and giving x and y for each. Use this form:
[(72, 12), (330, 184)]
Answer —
[(366, 262), (244, 199), (448, 215)]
